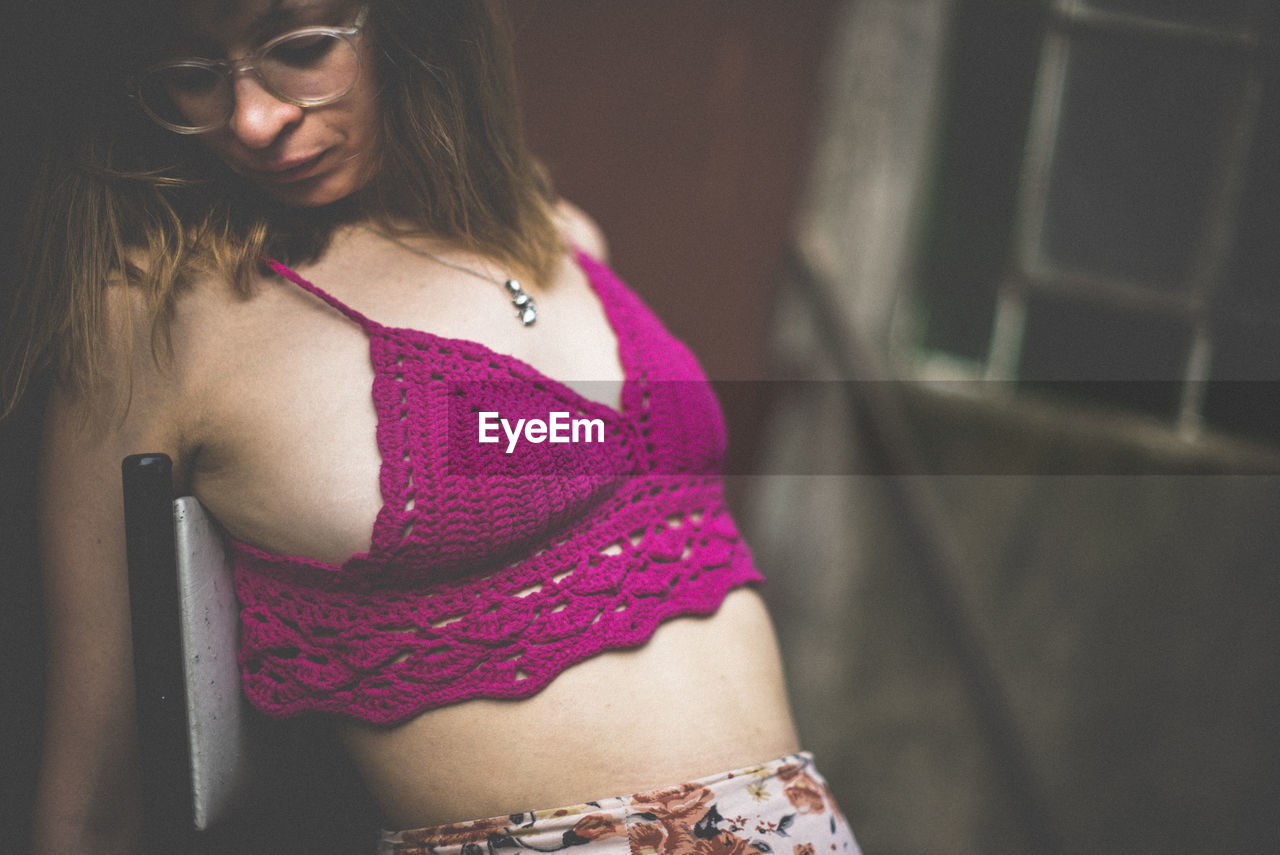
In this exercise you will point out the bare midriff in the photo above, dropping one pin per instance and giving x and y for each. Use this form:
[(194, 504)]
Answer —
[(704, 695)]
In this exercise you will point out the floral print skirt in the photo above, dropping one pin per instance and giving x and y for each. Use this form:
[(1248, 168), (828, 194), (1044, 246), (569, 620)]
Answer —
[(777, 808)]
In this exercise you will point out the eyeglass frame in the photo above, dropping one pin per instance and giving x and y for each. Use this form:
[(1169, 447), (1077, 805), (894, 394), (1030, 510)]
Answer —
[(231, 67)]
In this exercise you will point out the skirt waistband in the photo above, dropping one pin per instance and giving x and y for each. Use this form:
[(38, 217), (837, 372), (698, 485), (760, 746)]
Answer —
[(754, 810)]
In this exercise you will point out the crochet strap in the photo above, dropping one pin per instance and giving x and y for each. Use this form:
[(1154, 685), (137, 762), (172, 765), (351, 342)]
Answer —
[(292, 276)]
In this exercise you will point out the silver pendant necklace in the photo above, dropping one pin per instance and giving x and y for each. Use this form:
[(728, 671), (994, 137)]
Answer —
[(526, 309)]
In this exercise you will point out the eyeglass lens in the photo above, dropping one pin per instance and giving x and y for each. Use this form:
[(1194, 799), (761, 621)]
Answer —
[(309, 68)]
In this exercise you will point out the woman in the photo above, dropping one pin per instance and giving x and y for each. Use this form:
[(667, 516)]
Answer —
[(262, 211)]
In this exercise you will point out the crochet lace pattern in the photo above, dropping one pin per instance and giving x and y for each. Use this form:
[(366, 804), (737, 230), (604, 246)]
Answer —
[(490, 572)]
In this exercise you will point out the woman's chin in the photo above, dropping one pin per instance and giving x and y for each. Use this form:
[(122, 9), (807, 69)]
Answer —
[(312, 193)]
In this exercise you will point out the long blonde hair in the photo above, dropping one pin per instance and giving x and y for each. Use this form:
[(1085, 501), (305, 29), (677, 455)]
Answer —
[(112, 187)]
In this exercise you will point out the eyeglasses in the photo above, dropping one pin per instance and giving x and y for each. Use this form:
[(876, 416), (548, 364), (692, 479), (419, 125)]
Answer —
[(308, 67)]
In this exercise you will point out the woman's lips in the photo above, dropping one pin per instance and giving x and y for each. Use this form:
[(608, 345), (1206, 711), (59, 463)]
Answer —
[(294, 169)]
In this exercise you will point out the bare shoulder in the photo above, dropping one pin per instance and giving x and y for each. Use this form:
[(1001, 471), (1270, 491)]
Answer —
[(128, 360), (137, 398), (581, 230)]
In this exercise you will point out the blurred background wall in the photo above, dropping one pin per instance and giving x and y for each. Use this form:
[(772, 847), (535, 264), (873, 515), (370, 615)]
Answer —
[(989, 286)]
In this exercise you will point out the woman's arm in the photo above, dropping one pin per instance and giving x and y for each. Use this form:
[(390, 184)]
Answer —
[(87, 797)]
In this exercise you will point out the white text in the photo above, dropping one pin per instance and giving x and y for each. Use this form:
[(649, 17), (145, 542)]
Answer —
[(558, 428)]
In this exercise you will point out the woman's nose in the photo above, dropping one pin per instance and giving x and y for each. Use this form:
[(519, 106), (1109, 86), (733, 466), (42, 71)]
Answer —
[(259, 117)]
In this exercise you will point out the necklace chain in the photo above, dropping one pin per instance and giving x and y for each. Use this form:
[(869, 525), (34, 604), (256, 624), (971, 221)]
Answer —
[(526, 309)]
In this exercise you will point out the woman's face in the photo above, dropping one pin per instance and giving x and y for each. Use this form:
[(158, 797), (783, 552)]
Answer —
[(301, 156)]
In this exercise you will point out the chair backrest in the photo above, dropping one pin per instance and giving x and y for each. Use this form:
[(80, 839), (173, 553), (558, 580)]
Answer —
[(221, 758), (193, 727)]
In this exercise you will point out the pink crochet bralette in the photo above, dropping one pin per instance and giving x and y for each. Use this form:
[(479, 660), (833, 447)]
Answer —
[(493, 568)]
